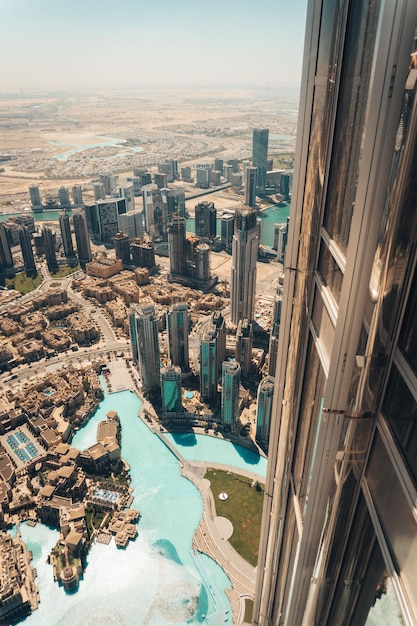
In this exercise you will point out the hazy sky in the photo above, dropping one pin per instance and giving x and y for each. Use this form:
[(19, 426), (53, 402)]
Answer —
[(65, 44)]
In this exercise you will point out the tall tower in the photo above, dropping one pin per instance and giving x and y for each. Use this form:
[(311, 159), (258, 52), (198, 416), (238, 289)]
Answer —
[(205, 220), (82, 238), (176, 246), (49, 246), (6, 259), (273, 340), (77, 196), (178, 323), (250, 186), (122, 247), (230, 392), (212, 354), (64, 198), (339, 520), (65, 226), (264, 410), (244, 343), (145, 345), (244, 255), (27, 251), (35, 198), (260, 157), (108, 212), (128, 194), (171, 389)]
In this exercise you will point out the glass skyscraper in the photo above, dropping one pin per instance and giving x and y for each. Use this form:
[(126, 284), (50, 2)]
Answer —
[(340, 512), (260, 157)]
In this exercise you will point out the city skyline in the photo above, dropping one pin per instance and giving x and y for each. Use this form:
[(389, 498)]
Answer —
[(196, 42)]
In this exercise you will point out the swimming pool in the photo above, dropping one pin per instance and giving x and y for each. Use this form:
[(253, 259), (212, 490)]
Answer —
[(157, 580)]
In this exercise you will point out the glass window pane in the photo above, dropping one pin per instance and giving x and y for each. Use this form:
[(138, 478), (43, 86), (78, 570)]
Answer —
[(330, 272), (396, 516), (400, 409)]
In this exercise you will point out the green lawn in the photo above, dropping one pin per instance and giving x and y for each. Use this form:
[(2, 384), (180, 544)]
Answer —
[(64, 270), (23, 283), (248, 611), (243, 508)]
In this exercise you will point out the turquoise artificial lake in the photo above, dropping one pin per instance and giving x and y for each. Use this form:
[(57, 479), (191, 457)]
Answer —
[(157, 580)]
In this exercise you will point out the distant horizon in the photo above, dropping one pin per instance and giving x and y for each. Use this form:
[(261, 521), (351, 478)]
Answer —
[(83, 45)]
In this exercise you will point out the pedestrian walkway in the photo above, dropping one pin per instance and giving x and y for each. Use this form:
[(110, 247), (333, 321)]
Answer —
[(209, 539)]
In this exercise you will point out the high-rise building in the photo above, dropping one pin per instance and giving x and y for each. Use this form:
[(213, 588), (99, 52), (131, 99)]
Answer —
[(280, 240), (27, 251), (108, 212), (49, 241), (65, 227), (35, 198), (285, 185), (218, 164), (273, 340), (212, 354), (244, 343), (177, 246), (227, 172), (82, 239), (260, 157), (109, 182), (244, 256), (230, 393), (64, 198), (77, 196), (264, 410), (228, 228), (132, 224), (203, 177), (122, 247), (6, 259), (171, 389), (142, 253), (250, 186), (161, 180), (127, 192), (145, 344), (178, 324), (99, 191), (339, 521), (205, 220), (148, 210)]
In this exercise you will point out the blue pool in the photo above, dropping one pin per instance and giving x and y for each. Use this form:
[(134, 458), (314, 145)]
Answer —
[(157, 580)]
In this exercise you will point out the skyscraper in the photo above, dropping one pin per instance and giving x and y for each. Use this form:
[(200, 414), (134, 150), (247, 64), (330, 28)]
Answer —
[(108, 212), (230, 393), (244, 255), (171, 389), (27, 251), (340, 511), (212, 354), (205, 220), (122, 247), (264, 410), (64, 198), (178, 324), (145, 344), (176, 246), (35, 198), (273, 340), (250, 186), (77, 196), (82, 238), (244, 342), (65, 227), (6, 259), (128, 194), (49, 240), (260, 157)]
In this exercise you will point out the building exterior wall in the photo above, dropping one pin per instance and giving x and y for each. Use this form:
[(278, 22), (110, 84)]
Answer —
[(342, 482)]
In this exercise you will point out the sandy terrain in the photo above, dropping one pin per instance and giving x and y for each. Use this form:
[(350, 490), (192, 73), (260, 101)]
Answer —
[(191, 126)]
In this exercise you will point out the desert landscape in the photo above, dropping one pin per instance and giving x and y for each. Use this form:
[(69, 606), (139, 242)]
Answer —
[(55, 139)]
